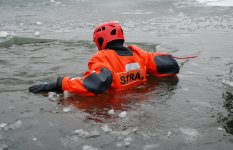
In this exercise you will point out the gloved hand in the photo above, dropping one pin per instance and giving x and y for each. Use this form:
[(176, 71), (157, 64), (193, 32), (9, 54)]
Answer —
[(47, 87)]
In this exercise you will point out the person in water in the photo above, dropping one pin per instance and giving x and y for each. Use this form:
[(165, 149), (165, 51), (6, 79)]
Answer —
[(114, 66)]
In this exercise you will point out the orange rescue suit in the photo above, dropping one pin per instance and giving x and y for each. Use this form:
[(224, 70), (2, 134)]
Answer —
[(108, 70)]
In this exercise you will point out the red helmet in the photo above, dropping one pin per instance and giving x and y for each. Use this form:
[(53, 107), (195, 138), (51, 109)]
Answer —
[(107, 32)]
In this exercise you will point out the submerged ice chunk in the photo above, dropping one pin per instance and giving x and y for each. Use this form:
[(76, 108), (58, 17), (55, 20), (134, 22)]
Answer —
[(192, 134), (18, 124), (150, 147), (128, 139), (181, 14), (66, 94), (83, 134), (123, 143), (13, 34), (123, 114), (34, 139), (185, 89), (3, 34), (66, 31), (15, 125), (111, 112), (53, 96), (89, 147), (94, 133), (3, 146)]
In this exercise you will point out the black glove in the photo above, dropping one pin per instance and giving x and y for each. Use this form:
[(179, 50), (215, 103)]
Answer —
[(47, 87)]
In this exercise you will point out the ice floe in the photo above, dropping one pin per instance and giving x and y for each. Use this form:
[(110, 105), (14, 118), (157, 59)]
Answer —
[(220, 129), (37, 33), (217, 2), (66, 109), (111, 112), (3, 34), (52, 1), (169, 134), (2, 125), (123, 114), (106, 128), (39, 23), (227, 82), (11, 126), (87, 134)]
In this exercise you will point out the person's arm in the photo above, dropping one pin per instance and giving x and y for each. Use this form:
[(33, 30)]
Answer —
[(159, 64), (94, 82)]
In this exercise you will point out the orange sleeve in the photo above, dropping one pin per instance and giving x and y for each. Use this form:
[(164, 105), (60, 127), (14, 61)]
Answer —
[(75, 85), (94, 82), (159, 64)]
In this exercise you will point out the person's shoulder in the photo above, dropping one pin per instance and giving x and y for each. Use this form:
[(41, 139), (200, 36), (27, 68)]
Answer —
[(102, 54), (134, 48)]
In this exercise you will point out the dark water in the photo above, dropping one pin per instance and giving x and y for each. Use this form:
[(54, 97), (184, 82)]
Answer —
[(190, 111)]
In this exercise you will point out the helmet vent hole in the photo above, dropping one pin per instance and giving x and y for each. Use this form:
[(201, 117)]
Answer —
[(100, 42), (113, 32), (103, 28), (98, 30)]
